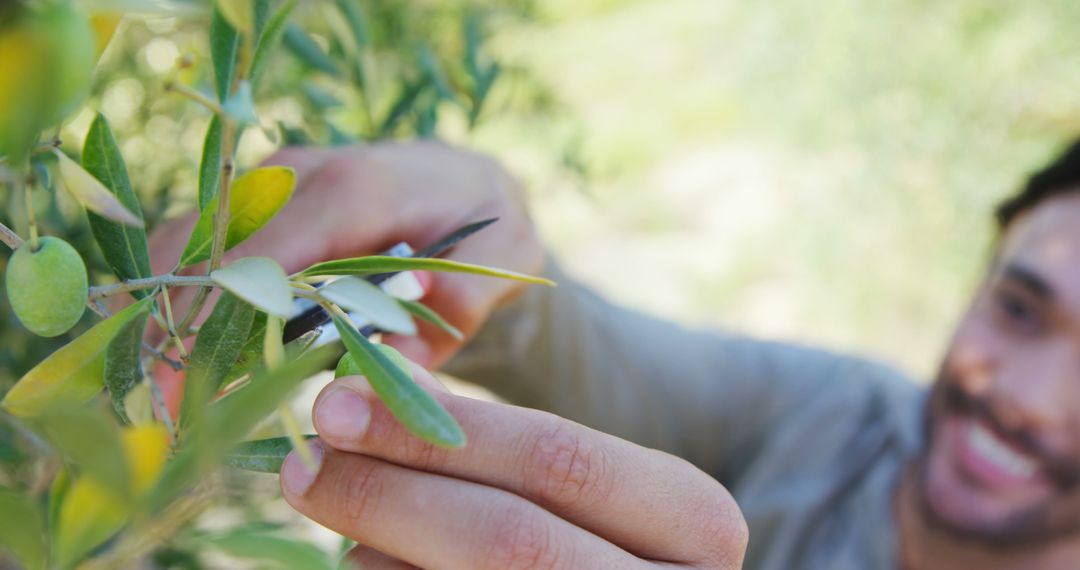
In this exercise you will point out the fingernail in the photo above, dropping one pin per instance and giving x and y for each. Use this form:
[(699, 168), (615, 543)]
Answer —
[(342, 414), (296, 477)]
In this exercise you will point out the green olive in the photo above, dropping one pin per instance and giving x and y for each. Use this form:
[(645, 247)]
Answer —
[(48, 287), (47, 53)]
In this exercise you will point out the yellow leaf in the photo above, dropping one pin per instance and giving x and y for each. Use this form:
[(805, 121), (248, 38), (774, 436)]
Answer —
[(90, 514), (92, 194), (238, 13), (74, 373), (104, 24), (147, 447), (254, 199), (88, 517)]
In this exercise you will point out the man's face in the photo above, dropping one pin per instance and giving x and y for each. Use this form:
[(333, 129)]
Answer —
[(1003, 459)]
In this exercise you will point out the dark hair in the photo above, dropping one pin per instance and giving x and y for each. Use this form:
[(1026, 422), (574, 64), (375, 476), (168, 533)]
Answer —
[(1062, 176)]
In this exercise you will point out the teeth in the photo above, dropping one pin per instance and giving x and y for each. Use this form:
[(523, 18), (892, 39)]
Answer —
[(991, 448)]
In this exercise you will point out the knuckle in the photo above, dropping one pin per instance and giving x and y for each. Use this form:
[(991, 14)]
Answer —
[(361, 489), (423, 455), (564, 467), (339, 171), (519, 539)]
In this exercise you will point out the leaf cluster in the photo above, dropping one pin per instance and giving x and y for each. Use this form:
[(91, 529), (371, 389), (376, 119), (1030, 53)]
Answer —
[(121, 467)]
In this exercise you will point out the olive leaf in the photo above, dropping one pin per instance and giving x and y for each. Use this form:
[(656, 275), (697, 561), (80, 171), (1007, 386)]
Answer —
[(390, 378), (250, 353), (433, 68), (251, 359), (123, 365), (357, 20), (259, 281), (74, 373), (300, 43), (269, 39), (375, 264), (359, 296), (276, 552), (261, 455), (224, 48), (26, 539), (254, 199), (210, 165), (89, 514), (92, 194), (124, 246), (425, 313), (239, 13), (403, 105), (220, 341)]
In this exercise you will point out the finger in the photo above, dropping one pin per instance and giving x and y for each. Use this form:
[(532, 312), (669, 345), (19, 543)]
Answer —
[(434, 521), (628, 494), (303, 160), (385, 179), (416, 348), (366, 558)]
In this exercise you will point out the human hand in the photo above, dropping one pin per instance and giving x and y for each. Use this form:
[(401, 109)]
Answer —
[(531, 490), (360, 200)]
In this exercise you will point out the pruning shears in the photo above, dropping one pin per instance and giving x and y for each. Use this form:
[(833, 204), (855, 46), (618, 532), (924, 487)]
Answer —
[(309, 316)]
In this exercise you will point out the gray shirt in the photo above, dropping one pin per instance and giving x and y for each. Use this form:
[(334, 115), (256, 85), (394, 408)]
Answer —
[(810, 443)]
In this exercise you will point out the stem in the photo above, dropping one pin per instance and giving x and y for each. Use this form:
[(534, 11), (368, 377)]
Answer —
[(221, 221), (221, 216), (195, 96), (99, 308), (296, 437), (163, 410), (29, 193), (167, 280), (172, 325), (9, 237), (193, 311), (158, 355)]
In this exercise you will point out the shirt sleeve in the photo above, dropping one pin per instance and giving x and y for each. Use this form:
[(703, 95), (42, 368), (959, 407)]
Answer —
[(707, 396)]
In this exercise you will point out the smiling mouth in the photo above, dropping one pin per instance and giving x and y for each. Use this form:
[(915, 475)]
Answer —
[(994, 460)]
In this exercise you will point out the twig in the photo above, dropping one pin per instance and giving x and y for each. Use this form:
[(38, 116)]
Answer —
[(10, 238), (172, 325), (159, 400), (167, 280), (221, 216), (158, 355), (194, 96)]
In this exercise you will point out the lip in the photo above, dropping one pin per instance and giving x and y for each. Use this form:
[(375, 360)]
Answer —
[(978, 467)]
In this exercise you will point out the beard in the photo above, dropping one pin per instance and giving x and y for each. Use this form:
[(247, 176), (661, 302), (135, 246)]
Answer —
[(1032, 526)]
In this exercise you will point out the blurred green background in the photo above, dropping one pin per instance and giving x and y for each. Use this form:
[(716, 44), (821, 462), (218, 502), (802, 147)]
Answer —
[(823, 171), (818, 171)]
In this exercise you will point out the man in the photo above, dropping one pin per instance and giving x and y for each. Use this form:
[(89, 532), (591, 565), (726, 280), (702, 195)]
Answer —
[(836, 462)]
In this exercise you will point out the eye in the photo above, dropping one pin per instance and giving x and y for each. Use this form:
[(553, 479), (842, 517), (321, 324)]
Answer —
[(1017, 313)]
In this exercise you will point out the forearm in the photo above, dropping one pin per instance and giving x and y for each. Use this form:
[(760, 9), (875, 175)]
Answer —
[(709, 397), (568, 351)]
